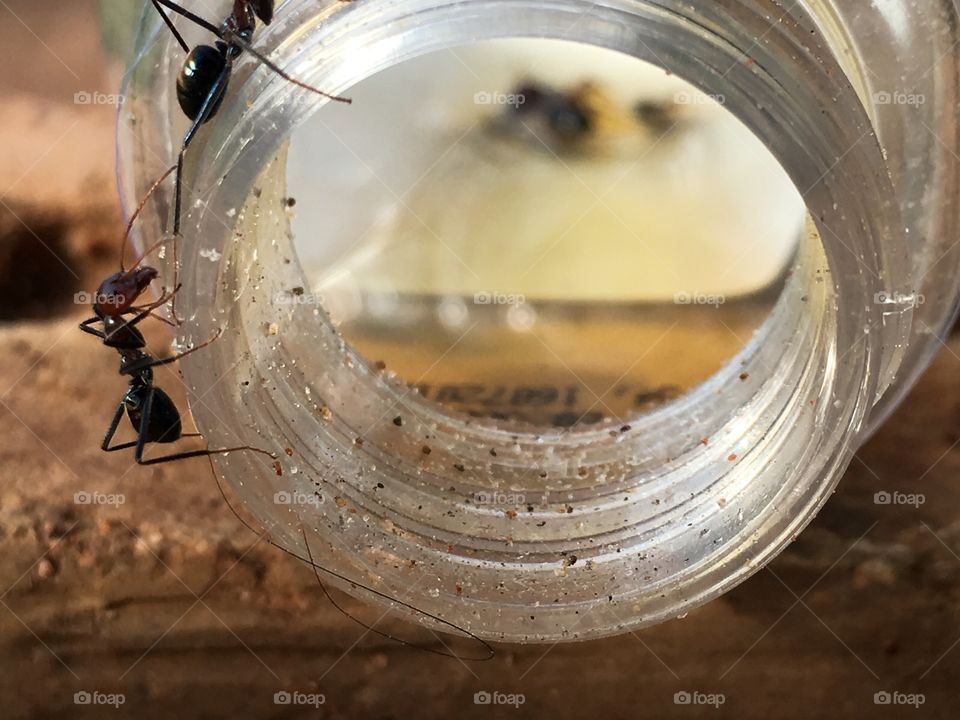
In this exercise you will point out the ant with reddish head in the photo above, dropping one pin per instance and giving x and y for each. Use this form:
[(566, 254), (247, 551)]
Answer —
[(152, 412), (156, 419), (206, 72)]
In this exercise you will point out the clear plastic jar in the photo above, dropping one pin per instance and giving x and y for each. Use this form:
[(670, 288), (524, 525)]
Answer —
[(611, 526)]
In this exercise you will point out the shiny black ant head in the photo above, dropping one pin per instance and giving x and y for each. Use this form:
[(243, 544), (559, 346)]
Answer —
[(120, 291), (197, 78), (263, 10)]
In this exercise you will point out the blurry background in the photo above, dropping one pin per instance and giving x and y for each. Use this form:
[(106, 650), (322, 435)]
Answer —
[(138, 581), (542, 216)]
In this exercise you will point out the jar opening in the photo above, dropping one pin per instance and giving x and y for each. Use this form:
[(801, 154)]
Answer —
[(676, 507), (539, 231)]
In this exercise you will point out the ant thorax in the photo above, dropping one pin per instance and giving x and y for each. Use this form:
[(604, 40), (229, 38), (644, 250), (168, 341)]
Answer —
[(136, 363), (242, 22)]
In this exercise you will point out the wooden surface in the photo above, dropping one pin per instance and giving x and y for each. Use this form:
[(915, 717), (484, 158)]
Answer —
[(168, 600)]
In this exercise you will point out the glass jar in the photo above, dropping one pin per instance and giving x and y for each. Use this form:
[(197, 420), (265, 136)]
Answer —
[(597, 528)]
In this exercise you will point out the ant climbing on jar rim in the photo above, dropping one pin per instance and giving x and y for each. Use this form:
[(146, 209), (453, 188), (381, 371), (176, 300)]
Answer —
[(152, 413), (156, 419), (207, 69)]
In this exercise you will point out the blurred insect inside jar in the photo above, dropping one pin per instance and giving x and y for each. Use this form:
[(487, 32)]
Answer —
[(583, 120)]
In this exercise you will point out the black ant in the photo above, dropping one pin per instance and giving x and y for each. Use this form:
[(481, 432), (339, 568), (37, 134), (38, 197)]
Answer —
[(152, 412), (206, 72)]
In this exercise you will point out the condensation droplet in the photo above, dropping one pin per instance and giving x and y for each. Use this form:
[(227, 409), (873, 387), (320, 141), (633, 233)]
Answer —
[(453, 312), (521, 317)]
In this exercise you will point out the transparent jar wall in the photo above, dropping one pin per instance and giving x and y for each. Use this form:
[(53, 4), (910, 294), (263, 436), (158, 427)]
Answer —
[(658, 520)]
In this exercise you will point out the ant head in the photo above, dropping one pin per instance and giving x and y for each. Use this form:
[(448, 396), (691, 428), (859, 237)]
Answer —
[(120, 291)]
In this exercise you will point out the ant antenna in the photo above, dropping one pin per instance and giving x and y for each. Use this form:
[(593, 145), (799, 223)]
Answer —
[(136, 214), (448, 653), (247, 47), (317, 569)]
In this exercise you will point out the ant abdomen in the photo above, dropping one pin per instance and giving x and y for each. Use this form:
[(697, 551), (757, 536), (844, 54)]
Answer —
[(163, 423), (201, 70)]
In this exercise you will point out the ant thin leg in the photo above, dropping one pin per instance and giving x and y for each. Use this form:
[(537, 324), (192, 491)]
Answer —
[(174, 358), (147, 310), (136, 214), (112, 430), (121, 446), (161, 318), (173, 29), (145, 253), (196, 19), (201, 453), (176, 282), (140, 443), (142, 313), (149, 362), (133, 443), (206, 109), (144, 428), (85, 326), (247, 47)]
